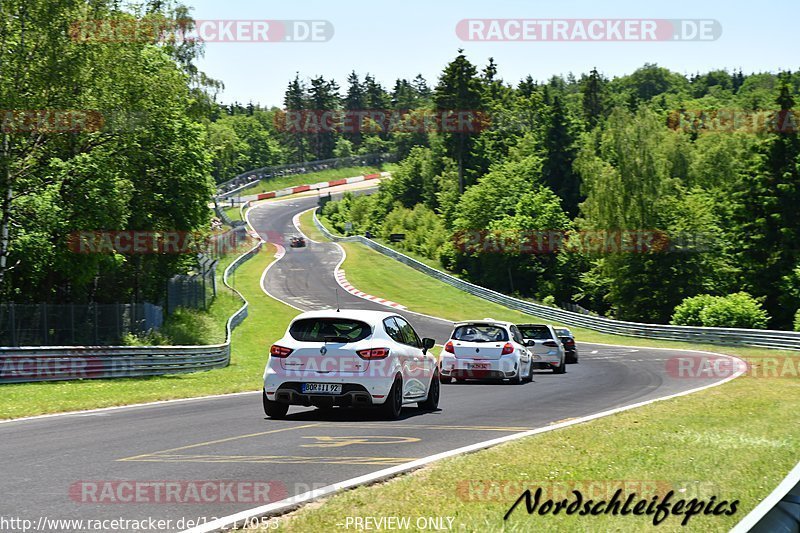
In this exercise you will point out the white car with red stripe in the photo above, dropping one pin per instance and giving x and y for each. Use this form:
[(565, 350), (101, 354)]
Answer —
[(485, 349), (353, 358)]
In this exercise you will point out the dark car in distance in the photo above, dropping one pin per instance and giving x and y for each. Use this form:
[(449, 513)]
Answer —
[(297, 242), (568, 340)]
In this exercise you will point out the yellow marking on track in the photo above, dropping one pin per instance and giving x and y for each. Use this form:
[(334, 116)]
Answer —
[(218, 441), (338, 442)]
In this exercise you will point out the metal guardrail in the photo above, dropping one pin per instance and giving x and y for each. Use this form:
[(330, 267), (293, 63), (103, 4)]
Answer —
[(250, 178), (789, 340), (57, 363)]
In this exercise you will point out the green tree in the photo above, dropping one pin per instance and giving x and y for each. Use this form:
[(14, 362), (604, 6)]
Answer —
[(769, 219), (459, 90), (295, 101), (559, 148), (594, 98)]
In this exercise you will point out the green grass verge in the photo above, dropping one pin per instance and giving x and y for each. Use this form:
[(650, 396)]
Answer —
[(282, 182), (735, 441), (267, 320), (434, 263), (310, 229), (233, 213)]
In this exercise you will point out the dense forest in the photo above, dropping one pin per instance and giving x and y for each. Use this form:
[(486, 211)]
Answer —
[(630, 196)]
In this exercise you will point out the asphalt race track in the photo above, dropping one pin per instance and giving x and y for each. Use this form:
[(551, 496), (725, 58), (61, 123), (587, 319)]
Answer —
[(229, 438)]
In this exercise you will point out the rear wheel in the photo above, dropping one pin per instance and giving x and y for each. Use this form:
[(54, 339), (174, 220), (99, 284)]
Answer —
[(431, 403), (529, 377), (560, 369), (394, 401), (274, 410), (517, 379)]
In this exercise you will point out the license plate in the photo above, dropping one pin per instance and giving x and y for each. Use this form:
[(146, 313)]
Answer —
[(478, 366), (321, 388)]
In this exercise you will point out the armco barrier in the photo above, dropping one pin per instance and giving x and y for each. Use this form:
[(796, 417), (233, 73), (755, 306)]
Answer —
[(58, 363), (250, 178), (789, 340), (313, 187)]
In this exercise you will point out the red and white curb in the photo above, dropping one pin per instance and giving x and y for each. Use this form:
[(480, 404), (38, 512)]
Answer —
[(341, 279), (320, 185)]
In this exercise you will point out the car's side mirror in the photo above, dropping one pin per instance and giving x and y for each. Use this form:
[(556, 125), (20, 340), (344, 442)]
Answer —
[(427, 344), (529, 342)]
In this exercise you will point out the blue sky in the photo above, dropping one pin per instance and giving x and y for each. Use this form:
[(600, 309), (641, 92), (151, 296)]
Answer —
[(407, 37)]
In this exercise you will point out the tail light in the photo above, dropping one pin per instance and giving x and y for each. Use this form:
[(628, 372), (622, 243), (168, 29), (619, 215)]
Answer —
[(569, 342), (507, 349), (373, 353), (279, 351), (552, 344), (449, 347)]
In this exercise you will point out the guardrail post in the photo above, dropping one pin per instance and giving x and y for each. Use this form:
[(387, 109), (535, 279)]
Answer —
[(45, 336), (12, 323)]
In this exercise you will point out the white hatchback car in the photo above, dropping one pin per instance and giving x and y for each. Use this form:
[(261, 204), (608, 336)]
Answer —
[(350, 358), (547, 350), (485, 349)]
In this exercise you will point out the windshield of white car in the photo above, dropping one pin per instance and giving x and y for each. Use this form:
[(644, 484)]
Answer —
[(480, 333), (535, 332), (329, 330)]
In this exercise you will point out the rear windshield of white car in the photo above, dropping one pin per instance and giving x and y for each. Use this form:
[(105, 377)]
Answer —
[(535, 332), (329, 330), (480, 333)]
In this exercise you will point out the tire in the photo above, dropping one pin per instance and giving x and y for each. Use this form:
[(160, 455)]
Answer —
[(274, 410), (529, 377), (445, 379), (560, 369), (431, 403), (394, 401), (517, 380)]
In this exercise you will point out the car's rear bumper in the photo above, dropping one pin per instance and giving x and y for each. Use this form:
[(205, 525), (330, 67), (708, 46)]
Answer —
[(546, 359), (352, 395), (464, 368), (356, 389)]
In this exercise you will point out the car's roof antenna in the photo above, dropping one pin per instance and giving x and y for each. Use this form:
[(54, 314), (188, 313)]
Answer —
[(337, 300)]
